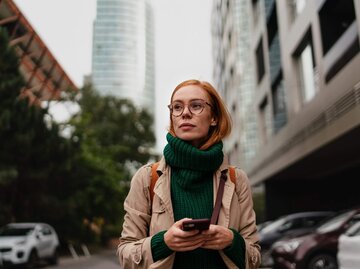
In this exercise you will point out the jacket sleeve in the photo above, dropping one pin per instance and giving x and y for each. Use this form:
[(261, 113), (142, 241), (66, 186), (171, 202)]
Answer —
[(247, 228), (134, 249)]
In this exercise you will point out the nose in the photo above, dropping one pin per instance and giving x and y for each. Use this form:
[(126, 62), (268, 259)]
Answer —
[(186, 112)]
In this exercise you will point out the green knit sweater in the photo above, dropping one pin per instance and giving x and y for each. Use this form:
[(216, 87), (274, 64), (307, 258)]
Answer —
[(192, 197)]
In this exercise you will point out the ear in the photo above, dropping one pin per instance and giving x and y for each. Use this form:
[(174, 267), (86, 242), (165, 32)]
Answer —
[(213, 122)]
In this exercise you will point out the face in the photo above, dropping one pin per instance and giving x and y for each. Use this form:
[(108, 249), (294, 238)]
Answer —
[(190, 126)]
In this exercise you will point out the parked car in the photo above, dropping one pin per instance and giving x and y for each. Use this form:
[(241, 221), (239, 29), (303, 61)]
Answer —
[(317, 249), (349, 248), (296, 223), (27, 244), (262, 225)]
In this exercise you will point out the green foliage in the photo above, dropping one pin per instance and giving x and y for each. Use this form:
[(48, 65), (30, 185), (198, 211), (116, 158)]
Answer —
[(31, 151), (114, 137), (115, 128), (77, 184)]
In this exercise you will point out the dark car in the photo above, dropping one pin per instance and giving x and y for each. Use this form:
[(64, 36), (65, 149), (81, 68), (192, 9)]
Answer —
[(317, 249), (296, 223)]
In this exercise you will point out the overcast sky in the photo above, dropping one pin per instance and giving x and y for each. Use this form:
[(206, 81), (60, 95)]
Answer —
[(182, 42)]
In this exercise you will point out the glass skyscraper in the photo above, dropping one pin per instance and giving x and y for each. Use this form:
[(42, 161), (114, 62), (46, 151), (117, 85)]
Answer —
[(123, 51)]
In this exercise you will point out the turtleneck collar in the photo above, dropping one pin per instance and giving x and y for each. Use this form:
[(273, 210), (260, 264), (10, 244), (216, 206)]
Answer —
[(180, 154)]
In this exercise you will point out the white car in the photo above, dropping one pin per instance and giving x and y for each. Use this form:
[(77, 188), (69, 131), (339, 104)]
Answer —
[(27, 244), (349, 248)]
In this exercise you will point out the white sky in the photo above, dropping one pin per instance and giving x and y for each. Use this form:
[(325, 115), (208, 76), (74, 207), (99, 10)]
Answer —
[(182, 43)]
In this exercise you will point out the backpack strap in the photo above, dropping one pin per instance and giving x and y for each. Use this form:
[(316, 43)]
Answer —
[(232, 174), (155, 176)]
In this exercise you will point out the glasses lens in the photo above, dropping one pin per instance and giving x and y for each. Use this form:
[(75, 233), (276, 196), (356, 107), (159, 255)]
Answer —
[(196, 107), (177, 108)]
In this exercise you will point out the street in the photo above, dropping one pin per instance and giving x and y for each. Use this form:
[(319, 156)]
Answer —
[(106, 259)]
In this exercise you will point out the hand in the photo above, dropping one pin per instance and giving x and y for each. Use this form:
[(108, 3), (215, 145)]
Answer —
[(178, 240), (218, 237)]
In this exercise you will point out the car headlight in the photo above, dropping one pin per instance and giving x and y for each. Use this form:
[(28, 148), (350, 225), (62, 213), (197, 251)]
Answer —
[(288, 246)]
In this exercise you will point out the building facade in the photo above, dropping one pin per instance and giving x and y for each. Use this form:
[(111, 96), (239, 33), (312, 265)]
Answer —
[(123, 51), (234, 76), (307, 103), (45, 79)]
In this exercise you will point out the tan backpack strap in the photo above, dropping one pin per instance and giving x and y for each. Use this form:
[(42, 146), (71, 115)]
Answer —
[(154, 178), (232, 174)]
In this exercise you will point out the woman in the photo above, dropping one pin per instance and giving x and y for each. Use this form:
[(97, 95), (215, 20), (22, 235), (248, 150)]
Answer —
[(190, 169)]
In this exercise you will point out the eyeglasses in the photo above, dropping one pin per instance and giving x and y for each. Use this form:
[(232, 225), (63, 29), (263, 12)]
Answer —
[(195, 107)]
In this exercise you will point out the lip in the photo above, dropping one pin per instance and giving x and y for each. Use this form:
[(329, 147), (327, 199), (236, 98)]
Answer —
[(186, 125)]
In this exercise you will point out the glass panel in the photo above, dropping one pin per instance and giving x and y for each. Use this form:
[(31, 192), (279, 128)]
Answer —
[(307, 74)]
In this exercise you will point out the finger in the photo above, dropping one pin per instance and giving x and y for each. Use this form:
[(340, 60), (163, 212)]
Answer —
[(188, 245)]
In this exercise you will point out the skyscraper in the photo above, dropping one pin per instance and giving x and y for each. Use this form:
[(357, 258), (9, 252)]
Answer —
[(234, 76), (123, 51)]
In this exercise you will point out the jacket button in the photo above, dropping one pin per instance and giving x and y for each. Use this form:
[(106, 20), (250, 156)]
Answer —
[(137, 258)]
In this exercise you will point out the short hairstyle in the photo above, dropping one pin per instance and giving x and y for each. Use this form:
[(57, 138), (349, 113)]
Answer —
[(222, 116)]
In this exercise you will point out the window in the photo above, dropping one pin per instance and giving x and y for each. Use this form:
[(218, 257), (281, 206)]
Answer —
[(274, 45), (307, 72), (279, 104), (265, 117), (335, 17), (260, 60), (299, 5)]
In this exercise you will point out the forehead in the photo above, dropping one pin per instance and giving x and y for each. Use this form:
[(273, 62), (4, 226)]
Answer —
[(190, 92)]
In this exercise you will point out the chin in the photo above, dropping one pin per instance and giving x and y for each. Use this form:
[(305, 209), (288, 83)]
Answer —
[(195, 141)]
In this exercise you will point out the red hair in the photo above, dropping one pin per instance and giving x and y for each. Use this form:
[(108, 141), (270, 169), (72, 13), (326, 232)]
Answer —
[(222, 116)]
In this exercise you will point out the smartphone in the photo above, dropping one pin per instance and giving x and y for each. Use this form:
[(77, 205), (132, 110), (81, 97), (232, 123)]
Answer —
[(196, 224)]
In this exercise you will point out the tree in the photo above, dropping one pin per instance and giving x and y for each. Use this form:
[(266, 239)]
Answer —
[(32, 151), (115, 138), (77, 183)]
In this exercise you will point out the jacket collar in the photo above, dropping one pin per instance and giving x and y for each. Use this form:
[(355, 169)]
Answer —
[(163, 166)]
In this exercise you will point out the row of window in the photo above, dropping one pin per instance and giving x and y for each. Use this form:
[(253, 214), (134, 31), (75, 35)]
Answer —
[(336, 17)]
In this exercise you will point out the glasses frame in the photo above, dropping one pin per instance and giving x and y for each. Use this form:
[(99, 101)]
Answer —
[(187, 105)]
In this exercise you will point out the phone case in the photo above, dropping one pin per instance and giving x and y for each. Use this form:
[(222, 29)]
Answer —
[(196, 224)]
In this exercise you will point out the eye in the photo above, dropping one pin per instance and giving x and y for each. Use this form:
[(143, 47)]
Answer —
[(177, 107), (196, 105)]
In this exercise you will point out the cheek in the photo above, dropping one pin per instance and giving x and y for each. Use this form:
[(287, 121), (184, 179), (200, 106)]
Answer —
[(205, 123), (175, 121)]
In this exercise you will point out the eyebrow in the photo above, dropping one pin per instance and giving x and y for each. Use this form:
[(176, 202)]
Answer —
[(195, 99)]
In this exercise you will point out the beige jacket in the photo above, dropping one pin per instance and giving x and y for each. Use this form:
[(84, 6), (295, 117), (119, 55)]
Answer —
[(143, 220)]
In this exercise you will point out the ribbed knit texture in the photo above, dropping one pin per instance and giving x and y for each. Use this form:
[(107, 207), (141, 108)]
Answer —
[(159, 249), (192, 196), (236, 251)]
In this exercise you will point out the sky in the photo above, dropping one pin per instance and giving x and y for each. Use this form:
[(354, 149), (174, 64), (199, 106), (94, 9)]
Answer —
[(182, 44)]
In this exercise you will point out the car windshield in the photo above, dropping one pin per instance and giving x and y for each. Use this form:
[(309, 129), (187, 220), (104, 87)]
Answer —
[(334, 223), (354, 229), (11, 231), (273, 226)]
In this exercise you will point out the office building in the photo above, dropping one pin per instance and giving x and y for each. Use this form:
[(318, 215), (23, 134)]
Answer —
[(123, 51), (307, 102), (234, 76)]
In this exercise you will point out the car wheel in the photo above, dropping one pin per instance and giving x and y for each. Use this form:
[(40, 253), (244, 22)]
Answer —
[(54, 258), (33, 260), (323, 261)]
